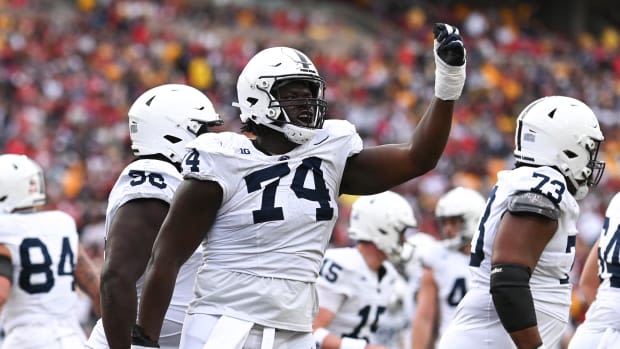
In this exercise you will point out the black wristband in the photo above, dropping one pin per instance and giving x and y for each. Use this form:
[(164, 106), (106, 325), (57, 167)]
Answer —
[(138, 337)]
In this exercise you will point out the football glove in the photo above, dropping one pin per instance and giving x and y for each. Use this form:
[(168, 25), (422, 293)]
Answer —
[(140, 341), (450, 61)]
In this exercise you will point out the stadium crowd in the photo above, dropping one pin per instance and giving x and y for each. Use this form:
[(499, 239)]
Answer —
[(70, 70)]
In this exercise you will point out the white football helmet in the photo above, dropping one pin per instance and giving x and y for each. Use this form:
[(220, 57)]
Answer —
[(564, 133), (163, 119), (22, 185), (257, 91), (465, 203), (382, 219)]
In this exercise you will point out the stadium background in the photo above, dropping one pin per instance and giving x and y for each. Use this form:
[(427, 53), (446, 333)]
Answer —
[(70, 69)]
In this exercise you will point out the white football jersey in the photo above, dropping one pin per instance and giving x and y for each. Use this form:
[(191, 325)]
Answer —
[(394, 328), (44, 248), (476, 322), (277, 214), (152, 179), (451, 275), (609, 257), (603, 314), (549, 283), (354, 293)]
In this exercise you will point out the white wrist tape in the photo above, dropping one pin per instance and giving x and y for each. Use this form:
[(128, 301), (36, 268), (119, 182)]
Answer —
[(449, 80), (319, 335), (352, 343)]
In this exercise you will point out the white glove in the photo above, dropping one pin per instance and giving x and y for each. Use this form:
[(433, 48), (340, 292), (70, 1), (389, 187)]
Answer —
[(450, 61)]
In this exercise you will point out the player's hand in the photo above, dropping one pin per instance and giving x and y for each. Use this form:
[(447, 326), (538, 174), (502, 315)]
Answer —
[(139, 340), (449, 44), (450, 53)]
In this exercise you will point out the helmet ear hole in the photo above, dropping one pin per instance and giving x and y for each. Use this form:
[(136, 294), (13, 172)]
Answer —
[(570, 154), (172, 139)]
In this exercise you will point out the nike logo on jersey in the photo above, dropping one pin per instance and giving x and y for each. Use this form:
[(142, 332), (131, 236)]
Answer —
[(322, 140), (496, 270)]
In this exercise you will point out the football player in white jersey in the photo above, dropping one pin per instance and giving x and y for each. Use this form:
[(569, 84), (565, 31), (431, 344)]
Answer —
[(523, 250), (41, 262), (264, 208), (445, 275), (356, 284), (161, 121), (601, 328)]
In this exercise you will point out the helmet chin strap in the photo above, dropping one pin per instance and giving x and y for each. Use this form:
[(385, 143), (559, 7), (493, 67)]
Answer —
[(297, 134)]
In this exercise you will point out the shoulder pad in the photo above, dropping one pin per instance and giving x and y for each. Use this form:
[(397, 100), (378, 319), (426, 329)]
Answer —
[(338, 127), (613, 209), (531, 202), (217, 142)]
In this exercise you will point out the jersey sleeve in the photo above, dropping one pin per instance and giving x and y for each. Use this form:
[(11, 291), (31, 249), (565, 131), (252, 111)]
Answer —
[(343, 131), (146, 180), (543, 180), (333, 285), (8, 229), (214, 157), (613, 209)]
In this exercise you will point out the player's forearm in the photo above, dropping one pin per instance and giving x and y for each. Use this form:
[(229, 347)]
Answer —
[(420, 336), (160, 279), (87, 279), (118, 309), (431, 134), (528, 338)]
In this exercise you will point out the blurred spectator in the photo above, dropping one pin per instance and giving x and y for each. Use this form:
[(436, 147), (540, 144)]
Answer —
[(69, 70)]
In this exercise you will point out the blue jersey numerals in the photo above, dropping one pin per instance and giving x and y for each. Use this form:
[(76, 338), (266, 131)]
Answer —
[(458, 292), (364, 314), (330, 270), (551, 188), (268, 179), (141, 177), (38, 277), (609, 253)]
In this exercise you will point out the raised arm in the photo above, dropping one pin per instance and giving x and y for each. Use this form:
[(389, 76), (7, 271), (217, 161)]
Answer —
[(128, 248), (87, 278), (191, 215), (376, 169)]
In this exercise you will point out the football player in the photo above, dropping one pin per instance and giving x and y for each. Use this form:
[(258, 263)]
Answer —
[(264, 208), (523, 250), (445, 275), (41, 262), (161, 121), (601, 328), (356, 284)]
